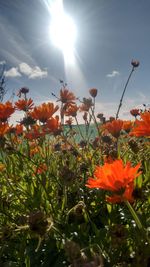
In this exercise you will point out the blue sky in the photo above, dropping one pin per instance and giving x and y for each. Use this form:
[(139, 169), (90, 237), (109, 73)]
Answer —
[(110, 33)]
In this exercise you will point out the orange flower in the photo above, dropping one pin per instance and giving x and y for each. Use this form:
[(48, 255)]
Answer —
[(134, 112), (142, 128), (127, 126), (52, 125), (17, 129), (2, 167), (117, 178), (66, 96), (41, 168), (35, 132), (24, 104), (93, 92), (4, 128), (44, 112), (6, 110), (71, 110), (114, 127)]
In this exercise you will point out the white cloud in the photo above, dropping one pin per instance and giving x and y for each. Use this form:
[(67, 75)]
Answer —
[(32, 72), (13, 73), (25, 69), (38, 73), (113, 74)]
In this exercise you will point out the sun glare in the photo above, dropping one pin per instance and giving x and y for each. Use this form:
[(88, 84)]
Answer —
[(63, 31)]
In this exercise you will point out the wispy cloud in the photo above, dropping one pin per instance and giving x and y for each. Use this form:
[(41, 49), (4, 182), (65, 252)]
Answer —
[(13, 46), (113, 74), (13, 73), (32, 72)]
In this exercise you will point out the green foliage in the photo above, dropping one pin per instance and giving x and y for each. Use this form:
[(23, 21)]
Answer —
[(48, 215)]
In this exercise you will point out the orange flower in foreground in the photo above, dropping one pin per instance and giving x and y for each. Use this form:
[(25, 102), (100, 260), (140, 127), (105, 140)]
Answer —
[(127, 126), (44, 112), (24, 104), (117, 178), (66, 96), (6, 110), (142, 128), (114, 127), (4, 128)]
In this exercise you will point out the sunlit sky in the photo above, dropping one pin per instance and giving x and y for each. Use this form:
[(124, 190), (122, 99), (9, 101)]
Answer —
[(110, 33)]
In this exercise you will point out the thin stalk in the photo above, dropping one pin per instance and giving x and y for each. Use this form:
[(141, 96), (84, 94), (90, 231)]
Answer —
[(95, 121), (137, 220), (121, 99), (134, 215), (79, 128)]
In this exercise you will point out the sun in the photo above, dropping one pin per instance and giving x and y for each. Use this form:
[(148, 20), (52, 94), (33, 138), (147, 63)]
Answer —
[(63, 31)]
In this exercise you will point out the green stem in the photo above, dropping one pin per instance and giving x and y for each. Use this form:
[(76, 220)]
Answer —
[(79, 128), (134, 215), (121, 99)]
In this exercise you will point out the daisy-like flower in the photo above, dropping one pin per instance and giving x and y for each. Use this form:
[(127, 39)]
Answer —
[(6, 110), (127, 126), (66, 96), (116, 178), (18, 129), (52, 125), (4, 128), (114, 127), (44, 112), (24, 104), (35, 132), (70, 110), (142, 127)]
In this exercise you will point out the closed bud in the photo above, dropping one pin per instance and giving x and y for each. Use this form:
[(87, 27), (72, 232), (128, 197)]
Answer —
[(93, 92), (135, 63)]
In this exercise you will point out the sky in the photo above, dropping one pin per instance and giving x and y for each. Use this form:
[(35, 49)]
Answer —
[(110, 34)]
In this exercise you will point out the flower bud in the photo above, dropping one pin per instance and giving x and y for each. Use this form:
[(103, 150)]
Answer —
[(93, 92), (135, 63)]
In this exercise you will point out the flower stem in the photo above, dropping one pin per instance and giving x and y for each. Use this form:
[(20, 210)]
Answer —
[(134, 215), (120, 104)]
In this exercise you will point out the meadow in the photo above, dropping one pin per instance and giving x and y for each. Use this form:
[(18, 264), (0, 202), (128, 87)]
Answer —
[(73, 197)]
